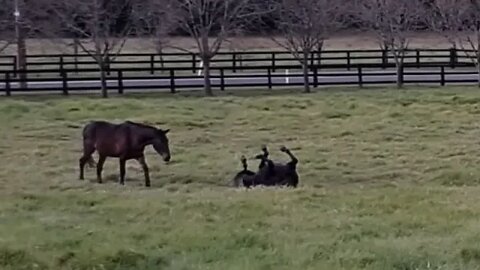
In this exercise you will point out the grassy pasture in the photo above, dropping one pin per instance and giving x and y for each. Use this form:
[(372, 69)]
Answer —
[(342, 41), (389, 180)]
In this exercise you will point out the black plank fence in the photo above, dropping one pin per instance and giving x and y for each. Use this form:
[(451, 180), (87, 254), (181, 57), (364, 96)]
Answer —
[(173, 71), (237, 61)]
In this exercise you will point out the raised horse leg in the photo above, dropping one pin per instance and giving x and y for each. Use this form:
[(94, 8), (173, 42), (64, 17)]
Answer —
[(101, 161), (293, 178), (266, 171), (143, 162), (294, 161), (88, 149), (263, 157)]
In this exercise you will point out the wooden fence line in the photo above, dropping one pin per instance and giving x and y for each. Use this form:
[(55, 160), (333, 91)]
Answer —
[(239, 61), (264, 77)]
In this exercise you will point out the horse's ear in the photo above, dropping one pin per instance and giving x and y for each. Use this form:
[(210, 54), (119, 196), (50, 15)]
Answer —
[(166, 131)]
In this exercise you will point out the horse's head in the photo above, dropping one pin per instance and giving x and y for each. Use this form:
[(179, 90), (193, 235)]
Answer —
[(160, 144)]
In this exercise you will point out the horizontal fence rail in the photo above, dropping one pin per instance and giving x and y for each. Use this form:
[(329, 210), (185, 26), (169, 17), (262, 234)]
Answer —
[(172, 80), (240, 61), (63, 73)]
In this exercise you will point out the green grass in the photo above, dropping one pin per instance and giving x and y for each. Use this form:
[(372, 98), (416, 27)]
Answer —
[(389, 180)]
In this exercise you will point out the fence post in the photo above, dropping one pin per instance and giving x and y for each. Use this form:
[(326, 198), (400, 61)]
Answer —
[(234, 62), (194, 63), (120, 82), (269, 72), (240, 61), (315, 77), (348, 60), (453, 57), (273, 62), (442, 76), (152, 64), (222, 79), (64, 83), (7, 84), (172, 81), (360, 77), (15, 66), (61, 65)]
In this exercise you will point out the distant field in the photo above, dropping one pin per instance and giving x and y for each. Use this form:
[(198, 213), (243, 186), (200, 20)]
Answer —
[(340, 41), (389, 180)]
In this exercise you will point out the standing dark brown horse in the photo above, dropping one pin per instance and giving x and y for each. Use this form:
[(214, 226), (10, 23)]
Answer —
[(125, 141)]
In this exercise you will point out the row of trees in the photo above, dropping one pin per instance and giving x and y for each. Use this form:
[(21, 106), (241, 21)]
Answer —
[(100, 28)]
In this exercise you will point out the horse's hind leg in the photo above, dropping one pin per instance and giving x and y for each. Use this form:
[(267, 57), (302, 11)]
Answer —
[(88, 149), (101, 161), (294, 161)]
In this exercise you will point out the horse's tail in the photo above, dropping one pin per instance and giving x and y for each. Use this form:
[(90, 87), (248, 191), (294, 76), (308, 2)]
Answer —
[(91, 162)]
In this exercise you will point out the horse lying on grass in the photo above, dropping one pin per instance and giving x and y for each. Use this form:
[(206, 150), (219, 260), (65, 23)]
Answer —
[(125, 141), (269, 172), (239, 177)]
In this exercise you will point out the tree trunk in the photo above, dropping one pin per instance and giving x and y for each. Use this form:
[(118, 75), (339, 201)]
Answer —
[(399, 74), (21, 46), (160, 52), (206, 77), (398, 56), (306, 81), (103, 79), (22, 61), (76, 42), (206, 56)]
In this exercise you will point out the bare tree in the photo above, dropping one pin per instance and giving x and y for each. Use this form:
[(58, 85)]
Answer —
[(7, 34), (392, 21), (156, 18), (459, 23), (210, 23), (304, 26), (102, 25), (19, 20)]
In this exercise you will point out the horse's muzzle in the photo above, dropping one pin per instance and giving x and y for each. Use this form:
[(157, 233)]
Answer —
[(166, 158)]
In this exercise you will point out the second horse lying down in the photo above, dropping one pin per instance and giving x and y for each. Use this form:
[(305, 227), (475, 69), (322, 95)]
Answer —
[(269, 173)]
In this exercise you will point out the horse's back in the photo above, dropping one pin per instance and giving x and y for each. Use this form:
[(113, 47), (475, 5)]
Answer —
[(93, 128)]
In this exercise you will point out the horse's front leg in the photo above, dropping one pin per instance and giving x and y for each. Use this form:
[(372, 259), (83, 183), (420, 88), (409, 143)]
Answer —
[(143, 162), (123, 162), (100, 163)]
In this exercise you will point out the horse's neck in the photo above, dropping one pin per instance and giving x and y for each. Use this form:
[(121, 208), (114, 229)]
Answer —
[(147, 136)]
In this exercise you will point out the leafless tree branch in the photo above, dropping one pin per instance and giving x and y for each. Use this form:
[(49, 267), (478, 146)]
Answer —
[(101, 27), (304, 25), (392, 21), (210, 23)]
